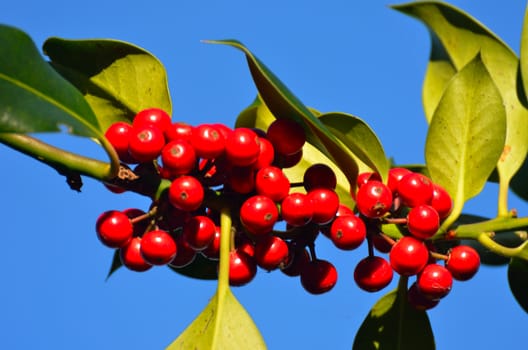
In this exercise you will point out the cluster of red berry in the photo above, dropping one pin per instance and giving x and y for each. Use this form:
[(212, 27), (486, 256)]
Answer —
[(243, 168)]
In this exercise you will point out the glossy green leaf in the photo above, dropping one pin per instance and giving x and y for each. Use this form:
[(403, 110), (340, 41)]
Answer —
[(201, 268), (118, 79), (393, 324), (523, 66), (284, 104), (518, 280), (33, 96), (358, 137), (467, 133), (462, 37), (223, 324)]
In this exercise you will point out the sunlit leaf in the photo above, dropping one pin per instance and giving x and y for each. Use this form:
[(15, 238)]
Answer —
[(33, 96), (118, 79), (518, 280), (223, 324), (466, 136), (393, 324), (462, 37)]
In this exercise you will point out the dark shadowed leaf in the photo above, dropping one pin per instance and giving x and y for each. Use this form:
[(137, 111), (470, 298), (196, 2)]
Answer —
[(118, 79), (518, 280), (116, 264), (201, 268)]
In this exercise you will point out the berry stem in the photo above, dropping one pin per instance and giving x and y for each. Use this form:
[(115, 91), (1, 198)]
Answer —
[(439, 256), (145, 216)]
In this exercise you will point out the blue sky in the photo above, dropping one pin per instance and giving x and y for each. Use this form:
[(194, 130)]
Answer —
[(357, 57)]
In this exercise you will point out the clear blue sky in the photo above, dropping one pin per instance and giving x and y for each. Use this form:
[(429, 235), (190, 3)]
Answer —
[(358, 57)]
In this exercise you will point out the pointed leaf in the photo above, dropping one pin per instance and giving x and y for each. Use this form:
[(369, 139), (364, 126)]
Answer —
[(518, 280), (116, 264), (118, 79), (394, 324), (223, 324), (466, 136), (359, 138), (462, 37), (35, 98)]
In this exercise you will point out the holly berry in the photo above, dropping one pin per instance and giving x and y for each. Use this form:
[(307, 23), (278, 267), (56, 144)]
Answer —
[(241, 179), (242, 268), (258, 214), (242, 147), (158, 247), (297, 259), (208, 141), (325, 203), (199, 232), (408, 256), (114, 229), (417, 300), (441, 201), (153, 116), (212, 251), (423, 221), (266, 154), (319, 175), (395, 175), (145, 143), (463, 262), (318, 276), (284, 161), (271, 252), (186, 193), (179, 131), (178, 157), (434, 281), (347, 232), (374, 199), (373, 273), (271, 181), (130, 256), (286, 136), (415, 189), (185, 254), (118, 134), (297, 209)]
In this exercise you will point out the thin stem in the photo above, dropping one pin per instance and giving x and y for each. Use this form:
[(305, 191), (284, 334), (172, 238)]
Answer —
[(225, 247), (502, 202), (485, 238), (63, 161), (473, 231)]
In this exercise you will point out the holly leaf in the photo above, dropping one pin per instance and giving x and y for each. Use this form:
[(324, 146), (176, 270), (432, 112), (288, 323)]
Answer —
[(466, 135), (223, 324), (200, 268), (518, 280), (33, 96), (116, 264), (118, 79), (394, 324)]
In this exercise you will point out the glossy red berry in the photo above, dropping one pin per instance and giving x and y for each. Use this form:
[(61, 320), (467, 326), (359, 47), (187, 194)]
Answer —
[(242, 268), (297, 209), (374, 199), (271, 252), (131, 258), (395, 175), (297, 259), (146, 143), (153, 116), (185, 254), (199, 231), (418, 301), (158, 247), (259, 214), (212, 251), (441, 201), (287, 161), (408, 256), (179, 131), (318, 276), (114, 228), (271, 181), (435, 281), (373, 273), (319, 175), (286, 136), (415, 189), (186, 193), (423, 221), (347, 232), (118, 134), (207, 141), (463, 262), (242, 147), (325, 204), (178, 157), (365, 177), (266, 154)]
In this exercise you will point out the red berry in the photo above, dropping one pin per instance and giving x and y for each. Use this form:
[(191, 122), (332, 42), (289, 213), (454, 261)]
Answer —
[(178, 157), (381, 244), (325, 204), (373, 273), (212, 251), (319, 175), (208, 141), (259, 214), (417, 300), (266, 154), (463, 262), (344, 210), (185, 254), (242, 147), (374, 199), (153, 116), (158, 247), (395, 175), (270, 181), (423, 221), (118, 134), (348, 232), (179, 131), (271, 252), (286, 135), (146, 143), (186, 193), (241, 179), (408, 256), (297, 209), (435, 281), (114, 228), (242, 268), (441, 201), (131, 258), (297, 259), (415, 189), (365, 177), (318, 276), (199, 231), (287, 161)]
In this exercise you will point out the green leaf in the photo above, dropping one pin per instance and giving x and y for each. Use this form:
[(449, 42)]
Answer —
[(359, 138), (33, 96), (118, 79), (284, 104), (518, 280), (116, 264), (223, 324), (523, 67), (466, 136), (394, 324), (462, 37), (200, 268)]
